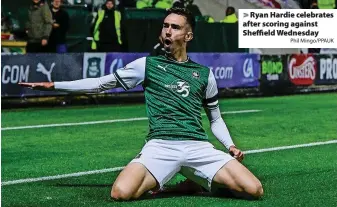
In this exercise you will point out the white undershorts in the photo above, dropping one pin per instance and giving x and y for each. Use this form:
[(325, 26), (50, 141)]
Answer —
[(197, 160)]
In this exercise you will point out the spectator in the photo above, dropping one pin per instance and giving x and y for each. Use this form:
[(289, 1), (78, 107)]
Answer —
[(57, 39), (5, 23), (144, 4), (38, 27), (194, 9), (314, 5), (164, 4), (326, 4), (179, 3), (208, 19), (230, 16), (107, 29), (126, 4)]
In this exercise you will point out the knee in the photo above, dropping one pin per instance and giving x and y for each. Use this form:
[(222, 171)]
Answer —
[(119, 193), (256, 190)]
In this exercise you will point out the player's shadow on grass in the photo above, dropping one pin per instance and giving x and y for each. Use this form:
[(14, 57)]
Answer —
[(224, 193), (148, 196)]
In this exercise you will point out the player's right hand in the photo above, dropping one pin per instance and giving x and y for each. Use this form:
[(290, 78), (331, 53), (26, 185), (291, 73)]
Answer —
[(236, 153), (38, 85)]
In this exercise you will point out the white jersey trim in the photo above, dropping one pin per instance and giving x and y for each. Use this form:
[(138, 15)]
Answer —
[(132, 75), (212, 88)]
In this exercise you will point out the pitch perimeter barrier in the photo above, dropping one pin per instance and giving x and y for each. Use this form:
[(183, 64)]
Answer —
[(268, 73), (312, 69), (37, 68), (230, 70), (279, 73)]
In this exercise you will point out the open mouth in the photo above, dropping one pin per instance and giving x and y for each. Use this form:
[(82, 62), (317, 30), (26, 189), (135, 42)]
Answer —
[(167, 42)]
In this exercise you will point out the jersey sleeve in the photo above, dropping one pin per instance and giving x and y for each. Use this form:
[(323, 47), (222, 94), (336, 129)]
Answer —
[(132, 74), (212, 109), (211, 93)]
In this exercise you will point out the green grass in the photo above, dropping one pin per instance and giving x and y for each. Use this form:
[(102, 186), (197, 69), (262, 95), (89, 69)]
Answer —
[(297, 177)]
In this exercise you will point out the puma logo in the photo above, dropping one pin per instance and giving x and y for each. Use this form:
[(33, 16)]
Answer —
[(161, 67), (40, 68)]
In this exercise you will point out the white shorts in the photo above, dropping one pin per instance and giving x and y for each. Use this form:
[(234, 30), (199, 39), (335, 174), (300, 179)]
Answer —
[(197, 160)]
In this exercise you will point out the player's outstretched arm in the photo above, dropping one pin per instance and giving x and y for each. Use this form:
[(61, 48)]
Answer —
[(130, 76), (88, 85)]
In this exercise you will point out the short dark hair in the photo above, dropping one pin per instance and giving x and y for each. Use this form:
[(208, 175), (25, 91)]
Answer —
[(190, 19), (113, 1)]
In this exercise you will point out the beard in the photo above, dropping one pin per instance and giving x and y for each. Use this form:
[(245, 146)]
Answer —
[(56, 8)]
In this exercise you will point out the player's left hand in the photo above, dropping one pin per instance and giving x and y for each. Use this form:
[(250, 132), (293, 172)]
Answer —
[(38, 85), (236, 153)]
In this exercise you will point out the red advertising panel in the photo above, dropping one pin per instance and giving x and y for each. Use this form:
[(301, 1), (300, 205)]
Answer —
[(302, 69)]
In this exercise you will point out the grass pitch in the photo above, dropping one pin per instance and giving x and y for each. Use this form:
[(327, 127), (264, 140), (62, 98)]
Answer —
[(293, 177)]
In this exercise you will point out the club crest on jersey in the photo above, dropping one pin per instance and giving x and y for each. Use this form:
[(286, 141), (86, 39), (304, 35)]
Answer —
[(195, 74), (181, 87)]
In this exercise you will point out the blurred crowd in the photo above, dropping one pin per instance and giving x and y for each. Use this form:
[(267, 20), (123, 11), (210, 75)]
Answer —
[(47, 24), (46, 27)]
